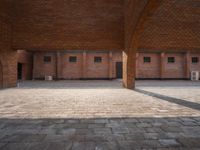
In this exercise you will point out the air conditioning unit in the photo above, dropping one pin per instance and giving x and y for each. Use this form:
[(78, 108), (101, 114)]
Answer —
[(48, 78), (195, 75)]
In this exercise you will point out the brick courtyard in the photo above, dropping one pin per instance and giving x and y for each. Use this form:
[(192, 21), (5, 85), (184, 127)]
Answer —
[(100, 115)]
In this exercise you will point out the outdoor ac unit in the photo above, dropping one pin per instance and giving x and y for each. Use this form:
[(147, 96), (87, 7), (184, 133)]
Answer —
[(48, 78), (195, 75)]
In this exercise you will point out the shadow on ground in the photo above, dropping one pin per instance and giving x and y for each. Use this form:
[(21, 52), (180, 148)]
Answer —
[(100, 133), (71, 84), (178, 101)]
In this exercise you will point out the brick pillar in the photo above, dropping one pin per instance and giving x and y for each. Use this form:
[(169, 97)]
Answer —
[(137, 61), (84, 65), (187, 65), (129, 63), (110, 68), (162, 65), (58, 65)]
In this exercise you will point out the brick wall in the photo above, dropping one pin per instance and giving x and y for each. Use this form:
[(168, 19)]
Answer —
[(97, 70), (42, 69), (194, 66), (176, 69), (8, 57), (148, 70), (153, 70), (71, 70), (76, 70)]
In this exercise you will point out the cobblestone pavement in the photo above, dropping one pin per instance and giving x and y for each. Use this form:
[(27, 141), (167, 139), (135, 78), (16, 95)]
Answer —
[(100, 115)]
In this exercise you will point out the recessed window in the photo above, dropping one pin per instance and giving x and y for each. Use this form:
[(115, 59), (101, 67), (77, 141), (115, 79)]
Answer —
[(73, 59), (195, 60), (147, 59), (97, 59), (47, 59), (171, 60)]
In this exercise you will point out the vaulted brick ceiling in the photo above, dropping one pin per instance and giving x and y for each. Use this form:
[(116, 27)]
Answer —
[(174, 26), (69, 24), (99, 24)]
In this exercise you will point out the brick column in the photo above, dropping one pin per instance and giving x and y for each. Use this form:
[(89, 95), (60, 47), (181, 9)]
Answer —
[(129, 63), (110, 68), (84, 65), (187, 65), (162, 65)]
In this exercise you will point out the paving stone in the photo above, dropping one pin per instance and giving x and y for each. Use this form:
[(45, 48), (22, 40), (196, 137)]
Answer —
[(190, 142), (59, 146), (151, 136), (120, 130), (98, 125), (101, 121), (24, 138), (98, 118), (143, 125), (136, 136), (83, 146), (15, 146), (69, 131), (102, 131), (169, 142)]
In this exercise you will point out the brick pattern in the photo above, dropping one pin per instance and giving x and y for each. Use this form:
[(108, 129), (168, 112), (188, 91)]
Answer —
[(148, 70), (67, 24), (8, 57), (41, 68), (136, 16), (76, 70), (158, 68), (174, 26)]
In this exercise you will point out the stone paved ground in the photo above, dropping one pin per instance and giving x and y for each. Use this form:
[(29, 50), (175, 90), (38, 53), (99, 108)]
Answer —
[(100, 115)]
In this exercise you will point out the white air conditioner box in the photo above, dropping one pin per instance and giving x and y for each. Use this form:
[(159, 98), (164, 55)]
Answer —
[(48, 78), (195, 75)]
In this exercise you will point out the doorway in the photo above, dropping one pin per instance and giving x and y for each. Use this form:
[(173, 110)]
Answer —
[(119, 70), (1, 75), (19, 71)]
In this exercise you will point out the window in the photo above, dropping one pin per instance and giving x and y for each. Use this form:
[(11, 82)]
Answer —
[(47, 59), (147, 59), (195, 60), (97, 59), (171, 60), (73, 59)]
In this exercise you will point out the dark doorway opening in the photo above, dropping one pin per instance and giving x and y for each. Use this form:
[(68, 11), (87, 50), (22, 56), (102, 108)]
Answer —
[(1, 75), (19, 71), (119, 70)]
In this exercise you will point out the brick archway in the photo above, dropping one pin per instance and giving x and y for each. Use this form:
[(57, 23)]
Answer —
[(1, 75)]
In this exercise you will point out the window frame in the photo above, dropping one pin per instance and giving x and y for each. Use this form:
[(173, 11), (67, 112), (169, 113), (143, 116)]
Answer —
[(71, 59), (171, 62), (98, 59), (47, 59), (145, 58), (195, 62)]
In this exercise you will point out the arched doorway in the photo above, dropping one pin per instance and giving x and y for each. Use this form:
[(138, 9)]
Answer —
[(1, 75)]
